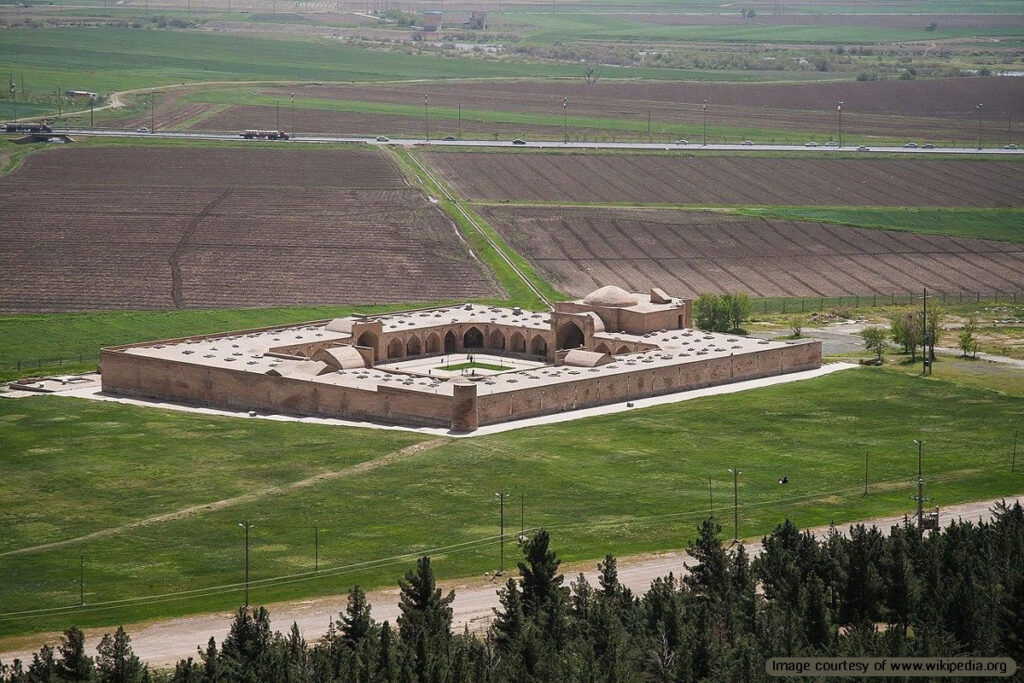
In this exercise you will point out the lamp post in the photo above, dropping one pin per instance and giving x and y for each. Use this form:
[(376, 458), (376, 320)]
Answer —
[(426, 118), (735, 504), (501, 500), (978, 108), (705, 108), (920, 489), (839, 108), (245, 525)]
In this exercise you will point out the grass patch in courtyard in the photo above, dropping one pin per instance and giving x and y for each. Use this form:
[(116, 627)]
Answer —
[(455, 367), (629, 483)]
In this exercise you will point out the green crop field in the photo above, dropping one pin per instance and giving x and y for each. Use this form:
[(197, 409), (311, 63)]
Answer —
[(472, 365), (626, 483), (549, 28), (988, 224), (108, 59)]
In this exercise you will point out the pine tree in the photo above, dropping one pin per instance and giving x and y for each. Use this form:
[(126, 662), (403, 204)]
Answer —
[(816, 620), (245, 652), (355, 623), (117, 663), (74, 665), (541, 580), (211, 662), (426, 620), (387, 666), (608, 576), (43, 667)]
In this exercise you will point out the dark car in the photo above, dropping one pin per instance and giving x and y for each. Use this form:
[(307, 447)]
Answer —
[(519, 141), (448, 138)]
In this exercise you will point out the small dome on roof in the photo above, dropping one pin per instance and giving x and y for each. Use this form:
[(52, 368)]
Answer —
[(610, 295)]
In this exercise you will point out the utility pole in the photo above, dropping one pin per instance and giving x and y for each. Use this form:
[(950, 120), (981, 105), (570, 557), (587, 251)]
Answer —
[(246, 526), (501, 498), (522, 513), (292, 131), (1013, 463), (278, 111), (648, 124), (705, 108), (81, 578), (979, 124), (58, 103), (735, 504), (92, 103), (460, 120), (316, 548), (924, 332), (711, 499), (839, 109), (565, 120), (152, 112), (865, 473), (920, 489)]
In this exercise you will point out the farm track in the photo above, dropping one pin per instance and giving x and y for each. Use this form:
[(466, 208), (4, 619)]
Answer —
[(161, 228), (691, 252)]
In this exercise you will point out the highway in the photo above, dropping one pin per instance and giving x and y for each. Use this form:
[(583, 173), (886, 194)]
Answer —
[(547, 144)]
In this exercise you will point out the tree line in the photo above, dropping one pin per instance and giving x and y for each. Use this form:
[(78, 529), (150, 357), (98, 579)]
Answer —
[(959, 591)]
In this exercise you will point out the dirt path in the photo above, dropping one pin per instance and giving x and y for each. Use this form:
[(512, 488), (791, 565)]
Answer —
[(359, 468), (162, 643)]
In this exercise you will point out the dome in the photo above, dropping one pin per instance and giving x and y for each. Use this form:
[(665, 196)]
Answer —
[(610, 295)]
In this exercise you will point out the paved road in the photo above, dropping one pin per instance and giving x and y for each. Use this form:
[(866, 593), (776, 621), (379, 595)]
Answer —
[(162, 643), (99, 132)]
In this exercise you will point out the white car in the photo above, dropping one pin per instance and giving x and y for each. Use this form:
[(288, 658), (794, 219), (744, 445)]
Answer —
[(682, 142), (142, 129), (748, 142), (831, 143), (812, 143)]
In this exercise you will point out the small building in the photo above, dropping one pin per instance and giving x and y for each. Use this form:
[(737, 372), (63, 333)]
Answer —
[(432, 20), (81, 95)]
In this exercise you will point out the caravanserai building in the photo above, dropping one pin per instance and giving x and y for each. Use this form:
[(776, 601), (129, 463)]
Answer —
[(457, 367)]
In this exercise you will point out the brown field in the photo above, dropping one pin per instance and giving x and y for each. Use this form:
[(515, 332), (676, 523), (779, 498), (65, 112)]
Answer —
[(160, 228), (732, 181), (237, 118), (690, 252), (923, 110)]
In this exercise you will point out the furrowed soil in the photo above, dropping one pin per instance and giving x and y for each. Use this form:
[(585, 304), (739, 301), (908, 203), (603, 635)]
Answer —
[(732, 180), (163, 228), (692, 252), (935, 110)]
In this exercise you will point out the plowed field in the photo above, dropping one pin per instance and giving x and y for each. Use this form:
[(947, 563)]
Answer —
[(158, 228), (690, 252), (732, 180)]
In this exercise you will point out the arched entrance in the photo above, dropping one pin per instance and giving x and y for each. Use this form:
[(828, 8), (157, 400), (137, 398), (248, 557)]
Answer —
[(433, 343), (413, 348), (539, 346), (569, 336), (449, 342), (369, 339), (517, 343), (602, 348), (473, 339), (497, 340), (396, 349)]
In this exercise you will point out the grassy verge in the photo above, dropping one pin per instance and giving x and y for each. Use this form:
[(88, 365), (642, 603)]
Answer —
[(989, 224), (474, 231), (627, 483)]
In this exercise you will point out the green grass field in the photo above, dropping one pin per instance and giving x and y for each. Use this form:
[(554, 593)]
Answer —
[(108, 59), (627, 483), (37, 340), (988, 224)]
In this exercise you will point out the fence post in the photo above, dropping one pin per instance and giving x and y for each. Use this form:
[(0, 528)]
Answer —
[(874, 299), (783, 305), (978, 297), (19, 366), (803, 304)]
